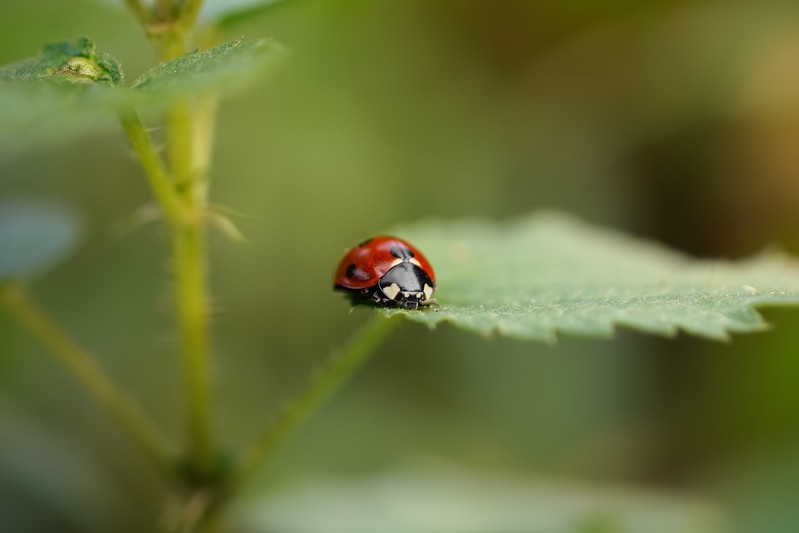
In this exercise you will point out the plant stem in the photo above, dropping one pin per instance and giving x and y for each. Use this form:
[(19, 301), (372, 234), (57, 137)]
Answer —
[(190, 12), (139, 11), (185, 212), (188, 245), (182, 193), (185, 153), (339, 368), (160, 182), (180, 144), (164, 9), (90, 376)]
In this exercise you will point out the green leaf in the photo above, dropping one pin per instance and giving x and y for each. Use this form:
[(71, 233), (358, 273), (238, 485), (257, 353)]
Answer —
[(34, 115), (548, 273), (69, 86), (425, 500), (228, 66), (69, 61), (34, 236), (60, 90)]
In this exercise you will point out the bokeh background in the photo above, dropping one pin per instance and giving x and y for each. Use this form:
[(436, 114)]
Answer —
[(676, 120)]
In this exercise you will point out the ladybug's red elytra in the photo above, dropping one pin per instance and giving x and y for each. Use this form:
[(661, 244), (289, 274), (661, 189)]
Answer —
[(388, 272)]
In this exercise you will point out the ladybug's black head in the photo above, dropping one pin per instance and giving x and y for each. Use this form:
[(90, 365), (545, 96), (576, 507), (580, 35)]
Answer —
[(406, 284)]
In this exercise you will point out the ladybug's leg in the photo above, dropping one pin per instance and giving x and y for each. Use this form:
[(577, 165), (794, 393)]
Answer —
[(411, 304), (360, 296), (380, 299), (384, 301)]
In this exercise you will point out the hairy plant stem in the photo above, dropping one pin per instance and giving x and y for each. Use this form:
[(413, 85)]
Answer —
[(182, 198), (341, 366), (180, 144), (181, 191), (191, 278), (83, 366), (188, 248), (160, 181)]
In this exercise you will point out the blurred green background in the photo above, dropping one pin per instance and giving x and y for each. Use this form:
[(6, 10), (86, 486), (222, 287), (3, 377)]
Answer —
[(674, 120)]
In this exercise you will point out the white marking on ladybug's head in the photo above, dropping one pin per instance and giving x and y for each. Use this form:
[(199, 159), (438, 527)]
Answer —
[(395, 262), (428, 291), (415, 262), (392, 291)]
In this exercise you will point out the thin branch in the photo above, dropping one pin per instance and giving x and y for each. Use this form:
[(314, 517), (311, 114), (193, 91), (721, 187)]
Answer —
[(189, 252), (154, 168), (98, 384), (339, 368), (191, 292), (180, 143), (164, 9), (190, 13), (185, 212), (138, 9)]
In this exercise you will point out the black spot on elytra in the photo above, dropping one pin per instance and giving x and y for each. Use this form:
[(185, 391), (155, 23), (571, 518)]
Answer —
[(350, 270), (401, 253), (364, 243)]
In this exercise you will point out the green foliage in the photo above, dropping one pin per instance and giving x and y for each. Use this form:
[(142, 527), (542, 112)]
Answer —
[(36, 103), (33, 237), (529, 279), (548, 273), (56, 93), (223, 68)]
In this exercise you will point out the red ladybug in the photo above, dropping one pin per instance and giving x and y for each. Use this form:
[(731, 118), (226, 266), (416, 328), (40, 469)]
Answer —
[(386, 271)]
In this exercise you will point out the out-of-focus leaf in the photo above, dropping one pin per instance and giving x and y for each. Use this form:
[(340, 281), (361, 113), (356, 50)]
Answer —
[(225, 67), (35, 111), (34, 236), (68, 61), (759, 487), (69, 87), (549, 273), (59, 91), (60, 485), (453, 501)]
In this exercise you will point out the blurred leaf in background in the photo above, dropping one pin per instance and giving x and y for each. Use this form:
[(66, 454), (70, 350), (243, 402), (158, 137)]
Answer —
[(34, 235), (435, 499)]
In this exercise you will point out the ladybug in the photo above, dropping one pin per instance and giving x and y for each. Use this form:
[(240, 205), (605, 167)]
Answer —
[(388, 272)]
